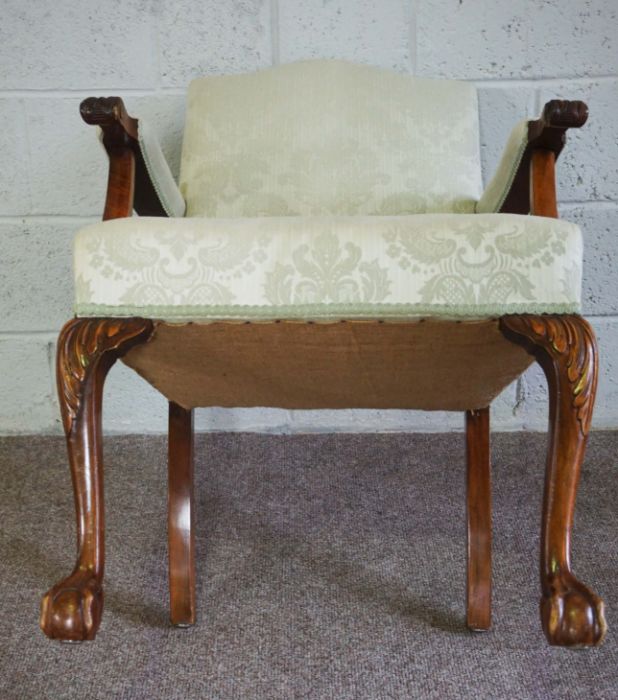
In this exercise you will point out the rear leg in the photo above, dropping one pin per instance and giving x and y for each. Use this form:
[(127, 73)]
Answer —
[(479, 520), (181, 538)]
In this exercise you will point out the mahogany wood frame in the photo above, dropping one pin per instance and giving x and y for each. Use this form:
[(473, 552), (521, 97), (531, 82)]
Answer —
[(564, 346), (566, 349)]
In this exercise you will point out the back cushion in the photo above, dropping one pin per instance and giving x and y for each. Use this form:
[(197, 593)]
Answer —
[(329, 137)]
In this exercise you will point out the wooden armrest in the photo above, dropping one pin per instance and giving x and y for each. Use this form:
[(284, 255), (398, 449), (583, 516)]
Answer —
[(509, 189), (129, 185), (545, 134)]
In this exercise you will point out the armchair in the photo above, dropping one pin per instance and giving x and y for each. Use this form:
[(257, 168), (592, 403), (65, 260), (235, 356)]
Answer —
[(330, 246)]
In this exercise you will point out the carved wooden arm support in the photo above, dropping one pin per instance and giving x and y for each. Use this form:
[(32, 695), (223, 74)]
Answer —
[(510, 189), (139, 177)]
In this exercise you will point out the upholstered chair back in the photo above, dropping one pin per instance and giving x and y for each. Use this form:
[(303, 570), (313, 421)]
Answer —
[(329, 138)]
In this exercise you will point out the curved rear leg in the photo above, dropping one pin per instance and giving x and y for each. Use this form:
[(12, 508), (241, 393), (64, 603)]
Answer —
[(87, 348), (566, 349), (479, 520)]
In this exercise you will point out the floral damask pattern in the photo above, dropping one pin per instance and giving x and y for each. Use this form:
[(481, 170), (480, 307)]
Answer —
[(170, 265), (326, 272), (318, 138), (470, 265)]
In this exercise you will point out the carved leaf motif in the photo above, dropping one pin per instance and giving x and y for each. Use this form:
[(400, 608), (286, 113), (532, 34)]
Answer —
[(570, 341), (83, 342)]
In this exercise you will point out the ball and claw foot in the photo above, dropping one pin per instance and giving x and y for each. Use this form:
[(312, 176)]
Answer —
[(71, 610), (572, 615)]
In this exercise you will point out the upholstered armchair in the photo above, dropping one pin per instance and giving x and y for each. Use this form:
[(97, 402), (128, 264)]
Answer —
[(329, 245)]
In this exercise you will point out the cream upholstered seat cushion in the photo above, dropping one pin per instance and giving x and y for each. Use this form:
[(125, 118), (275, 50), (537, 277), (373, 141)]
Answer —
[(445, 265), (316, 138)]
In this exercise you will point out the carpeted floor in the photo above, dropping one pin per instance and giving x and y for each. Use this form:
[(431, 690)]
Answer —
[(329, 566)]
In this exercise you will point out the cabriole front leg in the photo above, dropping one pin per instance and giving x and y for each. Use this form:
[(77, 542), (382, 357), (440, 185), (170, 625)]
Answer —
[(566, 349), (87, 348)]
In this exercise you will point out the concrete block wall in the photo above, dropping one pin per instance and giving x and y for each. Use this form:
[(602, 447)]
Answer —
[(518, 52)]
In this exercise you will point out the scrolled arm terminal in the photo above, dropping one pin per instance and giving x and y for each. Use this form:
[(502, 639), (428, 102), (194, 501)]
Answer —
[(508, 191)]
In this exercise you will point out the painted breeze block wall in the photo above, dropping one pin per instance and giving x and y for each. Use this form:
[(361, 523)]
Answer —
[(519, 53)]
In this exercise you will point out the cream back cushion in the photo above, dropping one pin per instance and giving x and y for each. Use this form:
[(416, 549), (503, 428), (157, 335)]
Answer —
[(329, 137)]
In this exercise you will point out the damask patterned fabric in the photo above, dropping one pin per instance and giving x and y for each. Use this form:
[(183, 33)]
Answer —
[(329, 138), (447, 265)]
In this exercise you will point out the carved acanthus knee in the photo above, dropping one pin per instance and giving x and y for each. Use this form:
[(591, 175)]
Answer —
[(87, 348)]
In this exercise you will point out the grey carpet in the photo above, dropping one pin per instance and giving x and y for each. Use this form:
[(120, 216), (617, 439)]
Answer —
[(329, 566)]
